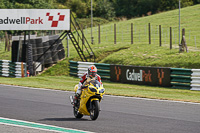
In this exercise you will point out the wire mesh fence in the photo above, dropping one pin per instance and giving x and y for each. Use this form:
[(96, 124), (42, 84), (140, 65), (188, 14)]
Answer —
[(141, 34)]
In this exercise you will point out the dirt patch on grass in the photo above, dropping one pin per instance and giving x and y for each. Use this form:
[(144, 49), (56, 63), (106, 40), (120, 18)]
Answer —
[(104, 54)]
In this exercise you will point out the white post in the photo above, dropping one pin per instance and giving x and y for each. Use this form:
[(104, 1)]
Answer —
[(179, 25)]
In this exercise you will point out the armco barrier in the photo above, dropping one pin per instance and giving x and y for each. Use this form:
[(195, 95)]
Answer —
[(181, 78), (73, 68), (12, 69), (79, 68), (195, 83)]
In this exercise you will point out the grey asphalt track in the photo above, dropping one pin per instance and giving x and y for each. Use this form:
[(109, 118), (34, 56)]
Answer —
[(13, 129), (118, 114)]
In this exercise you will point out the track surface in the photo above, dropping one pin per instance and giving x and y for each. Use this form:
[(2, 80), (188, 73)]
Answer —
[(118, 114)]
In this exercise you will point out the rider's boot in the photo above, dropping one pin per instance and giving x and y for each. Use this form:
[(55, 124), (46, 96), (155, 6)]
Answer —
[(76, 97)]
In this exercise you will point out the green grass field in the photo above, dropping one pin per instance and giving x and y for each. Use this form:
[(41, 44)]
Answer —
[(139, 54), (189, 21)]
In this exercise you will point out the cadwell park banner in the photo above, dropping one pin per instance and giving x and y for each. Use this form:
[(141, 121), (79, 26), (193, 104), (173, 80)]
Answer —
[(154, 76), (34, 19)]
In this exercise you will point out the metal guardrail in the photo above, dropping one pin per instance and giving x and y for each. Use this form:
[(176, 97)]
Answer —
[(12, 69), (181, 78), (195, 76), (79, 68), (185, 78)]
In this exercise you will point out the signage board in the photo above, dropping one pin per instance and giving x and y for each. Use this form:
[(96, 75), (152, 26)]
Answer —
[(155, 76), (34, 19)]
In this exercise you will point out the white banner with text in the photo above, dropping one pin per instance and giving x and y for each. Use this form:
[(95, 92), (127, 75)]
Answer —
[(34, 19)]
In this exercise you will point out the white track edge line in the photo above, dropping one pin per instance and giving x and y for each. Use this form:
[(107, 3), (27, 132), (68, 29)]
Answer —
[(44, 125), (30, 127)]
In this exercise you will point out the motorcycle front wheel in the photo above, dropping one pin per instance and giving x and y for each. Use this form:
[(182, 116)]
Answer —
[(76, 113), (94, 112)]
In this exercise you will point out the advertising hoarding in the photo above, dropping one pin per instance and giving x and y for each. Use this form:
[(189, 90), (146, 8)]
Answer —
[(155, 76), (34, 19)]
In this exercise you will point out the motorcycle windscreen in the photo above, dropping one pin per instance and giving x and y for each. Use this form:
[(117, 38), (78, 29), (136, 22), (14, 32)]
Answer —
[(96, 83)]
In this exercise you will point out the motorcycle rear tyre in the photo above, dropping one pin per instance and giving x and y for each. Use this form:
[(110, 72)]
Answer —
[(77, 114), (94, 113)]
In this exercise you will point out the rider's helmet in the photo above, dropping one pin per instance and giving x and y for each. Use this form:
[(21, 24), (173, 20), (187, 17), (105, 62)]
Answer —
[(92, 71)]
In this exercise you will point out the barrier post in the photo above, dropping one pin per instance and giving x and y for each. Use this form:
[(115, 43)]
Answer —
[(131, 33), (22, 69), (170, 37), (115, 36), (160, 35), (99, 34), (149, 33)]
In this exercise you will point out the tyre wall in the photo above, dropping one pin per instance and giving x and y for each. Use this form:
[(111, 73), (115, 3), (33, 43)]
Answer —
[(41, 49)]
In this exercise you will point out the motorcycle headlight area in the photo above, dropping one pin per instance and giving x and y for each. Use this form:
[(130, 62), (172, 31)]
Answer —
[(101, 91), (92, 89)]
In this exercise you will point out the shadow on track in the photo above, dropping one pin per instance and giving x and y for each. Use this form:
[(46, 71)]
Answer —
[(63, 119)]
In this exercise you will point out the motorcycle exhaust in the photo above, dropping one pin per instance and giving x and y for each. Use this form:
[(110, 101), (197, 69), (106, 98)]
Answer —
[(71, 98)]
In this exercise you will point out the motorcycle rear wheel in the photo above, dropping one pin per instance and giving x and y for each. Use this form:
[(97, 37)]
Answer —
[(94, 113), (76, 113)]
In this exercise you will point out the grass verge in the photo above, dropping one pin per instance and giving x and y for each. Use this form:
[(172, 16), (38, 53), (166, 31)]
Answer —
[(68, 83)]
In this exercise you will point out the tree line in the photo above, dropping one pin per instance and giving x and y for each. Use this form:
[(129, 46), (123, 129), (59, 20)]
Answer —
[(107, 9)]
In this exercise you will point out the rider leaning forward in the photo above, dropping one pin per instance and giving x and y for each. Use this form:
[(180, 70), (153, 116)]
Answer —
[(91, 73)]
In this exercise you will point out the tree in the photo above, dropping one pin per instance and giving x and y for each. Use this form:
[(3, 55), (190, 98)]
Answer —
[(77, 6), (168, 5), (196, 1), (2, 5), (186, 3), (6, 4), (104, 9), (145, 6), (38, 4), (174, 4), (126, 8)]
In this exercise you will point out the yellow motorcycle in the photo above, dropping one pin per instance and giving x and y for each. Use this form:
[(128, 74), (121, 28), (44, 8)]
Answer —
[(88, 103)]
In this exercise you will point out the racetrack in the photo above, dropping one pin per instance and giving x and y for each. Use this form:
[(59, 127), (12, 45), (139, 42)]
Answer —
[(118, 114)]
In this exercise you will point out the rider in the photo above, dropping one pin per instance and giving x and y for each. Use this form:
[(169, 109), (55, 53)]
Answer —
[(91, 73)]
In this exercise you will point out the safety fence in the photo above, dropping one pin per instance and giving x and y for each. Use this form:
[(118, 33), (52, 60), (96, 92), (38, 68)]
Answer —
[(141, 33), (195, 83), (181, 78), (79, 68), (12, 69), (177, 78), (37, 52), (185, 78)]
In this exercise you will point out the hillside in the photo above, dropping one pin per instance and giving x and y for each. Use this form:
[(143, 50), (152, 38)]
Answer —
[(141, 53)]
